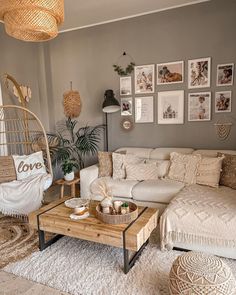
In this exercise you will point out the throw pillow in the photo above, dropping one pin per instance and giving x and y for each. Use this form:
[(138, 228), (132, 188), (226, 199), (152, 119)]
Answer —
[(162, 165), (7, 169), (183, 167), (119, 163), (209, 171), (104, 164), (142, 172), (28, 165), (228, 173)]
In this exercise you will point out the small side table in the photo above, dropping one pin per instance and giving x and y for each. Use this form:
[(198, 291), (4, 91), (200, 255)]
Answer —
[(71, 183)]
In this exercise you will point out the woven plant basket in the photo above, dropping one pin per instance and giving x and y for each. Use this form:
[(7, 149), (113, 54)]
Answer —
[(72, 103), (32, 20)]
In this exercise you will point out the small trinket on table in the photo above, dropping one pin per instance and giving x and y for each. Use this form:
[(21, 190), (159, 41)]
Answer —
[(124, 208)]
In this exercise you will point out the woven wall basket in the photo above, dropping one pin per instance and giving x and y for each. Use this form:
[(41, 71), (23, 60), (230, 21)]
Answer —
[(72, 103), (32, 20)]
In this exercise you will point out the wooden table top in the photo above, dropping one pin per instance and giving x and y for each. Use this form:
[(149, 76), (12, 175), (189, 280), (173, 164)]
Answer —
[(55, 218)]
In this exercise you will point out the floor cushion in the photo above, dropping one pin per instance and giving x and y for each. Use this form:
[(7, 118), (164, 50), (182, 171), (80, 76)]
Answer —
[(161, 190), (199, 273)]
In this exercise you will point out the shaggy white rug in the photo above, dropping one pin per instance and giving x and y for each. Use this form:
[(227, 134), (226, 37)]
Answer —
[(85, 268)]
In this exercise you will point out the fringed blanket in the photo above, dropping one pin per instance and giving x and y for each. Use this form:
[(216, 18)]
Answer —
[(200, 215), (20, 197)]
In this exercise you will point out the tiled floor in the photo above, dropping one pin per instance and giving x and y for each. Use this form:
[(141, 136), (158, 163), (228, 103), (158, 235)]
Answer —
[(13, 285)]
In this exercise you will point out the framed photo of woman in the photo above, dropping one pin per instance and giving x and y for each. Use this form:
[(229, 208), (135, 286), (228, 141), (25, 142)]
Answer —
[(144, 77)]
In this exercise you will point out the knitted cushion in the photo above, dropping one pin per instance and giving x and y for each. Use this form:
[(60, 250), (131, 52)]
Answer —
[(142, 172), (228, 174), (104, 164), (209, 171), (119, 163), (199, 273), (7, 169)]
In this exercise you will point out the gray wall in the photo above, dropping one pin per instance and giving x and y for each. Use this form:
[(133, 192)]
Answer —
[(86, 57)]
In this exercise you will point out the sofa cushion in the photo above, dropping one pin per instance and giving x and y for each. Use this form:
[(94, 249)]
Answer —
[(228, 173), (161, 190), (213, 153), (184, 167), (142, 171), (162, 165), (209, 170), (143, 153), (120, 187), (104, 164), (164, 153)]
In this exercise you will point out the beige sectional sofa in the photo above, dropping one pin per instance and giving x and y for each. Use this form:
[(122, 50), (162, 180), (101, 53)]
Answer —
[(196, 217)]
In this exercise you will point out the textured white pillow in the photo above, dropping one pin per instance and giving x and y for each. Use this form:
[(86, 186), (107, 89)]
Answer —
[(142, 172), (162, 165), (28, 165), (209, 170), (119, 163), (184, 167)]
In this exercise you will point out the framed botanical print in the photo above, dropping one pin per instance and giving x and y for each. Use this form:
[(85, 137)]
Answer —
[(144, 77), (199, 106), (170, 107), (199, 73)]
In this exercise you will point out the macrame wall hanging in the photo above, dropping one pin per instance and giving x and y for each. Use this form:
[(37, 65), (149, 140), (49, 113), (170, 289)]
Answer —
[(223, 129), (124, 65), (72, 103)]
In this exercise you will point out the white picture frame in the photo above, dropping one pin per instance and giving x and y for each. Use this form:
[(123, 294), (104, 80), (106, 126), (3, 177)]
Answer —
[(222, 77), (125, 86), (170, 107), (126, 106), (144, 79), (144, 111), (199, 106), (223, 101), (199, 73), (170, 73)]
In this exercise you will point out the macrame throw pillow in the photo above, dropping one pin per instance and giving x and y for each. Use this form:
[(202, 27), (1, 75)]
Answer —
[(184, 167), (142, 172), (209, 171), (104, 164), (228, 173), (28, 165), (7, 169)]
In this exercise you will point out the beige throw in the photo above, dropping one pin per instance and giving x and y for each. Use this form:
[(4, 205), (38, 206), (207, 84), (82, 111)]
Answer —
[(200, 215)]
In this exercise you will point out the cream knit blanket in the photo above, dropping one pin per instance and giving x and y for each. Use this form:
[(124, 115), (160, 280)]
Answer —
[(200, 215), (20, 197)]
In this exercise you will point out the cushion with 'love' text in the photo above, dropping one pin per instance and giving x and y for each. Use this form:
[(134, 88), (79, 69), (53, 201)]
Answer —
[(28, 165)]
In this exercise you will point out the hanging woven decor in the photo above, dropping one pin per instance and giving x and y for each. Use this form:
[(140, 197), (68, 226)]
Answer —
[(32, 20), (223, 129), (71, 103)]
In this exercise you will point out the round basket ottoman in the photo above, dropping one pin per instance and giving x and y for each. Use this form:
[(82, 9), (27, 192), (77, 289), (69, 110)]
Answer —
[(199, 273)]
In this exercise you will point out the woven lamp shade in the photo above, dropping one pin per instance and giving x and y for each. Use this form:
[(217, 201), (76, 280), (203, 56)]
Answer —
[(72, 103), (32, 20)]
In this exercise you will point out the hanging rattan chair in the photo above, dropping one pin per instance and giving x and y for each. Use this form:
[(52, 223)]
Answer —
[(22, 133)]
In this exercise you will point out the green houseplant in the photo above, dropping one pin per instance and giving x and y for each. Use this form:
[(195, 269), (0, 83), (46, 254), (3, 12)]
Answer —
[(74, 143), (67, 168)]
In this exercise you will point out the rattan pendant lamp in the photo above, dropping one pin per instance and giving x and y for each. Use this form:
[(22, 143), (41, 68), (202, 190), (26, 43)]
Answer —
[(32, 20)]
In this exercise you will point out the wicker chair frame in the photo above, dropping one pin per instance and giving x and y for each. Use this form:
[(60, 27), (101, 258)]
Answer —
[(22, 133)]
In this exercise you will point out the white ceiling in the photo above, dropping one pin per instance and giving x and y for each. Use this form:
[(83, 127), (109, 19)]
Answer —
[(80, 13)]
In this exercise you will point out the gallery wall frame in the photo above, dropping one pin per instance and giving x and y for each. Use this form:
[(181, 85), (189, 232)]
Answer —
[(170, 73), (199, 73)]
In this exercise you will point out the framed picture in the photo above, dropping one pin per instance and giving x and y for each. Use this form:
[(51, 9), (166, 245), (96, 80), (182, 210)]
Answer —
[(144, 109), (170, 73), (223, 101), (125, 86), (199, 73), (126, 106), (199, 106), (225, 75), (171, 107), (144, 79)]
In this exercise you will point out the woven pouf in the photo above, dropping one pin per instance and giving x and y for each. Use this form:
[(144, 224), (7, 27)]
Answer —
[(201, 274)]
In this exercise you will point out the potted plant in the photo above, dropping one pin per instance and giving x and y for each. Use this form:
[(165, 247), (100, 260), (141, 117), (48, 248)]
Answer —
[(67, 168)]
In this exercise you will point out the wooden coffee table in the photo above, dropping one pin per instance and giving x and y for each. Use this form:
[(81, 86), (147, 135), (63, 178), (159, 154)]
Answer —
[(54, 218)]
